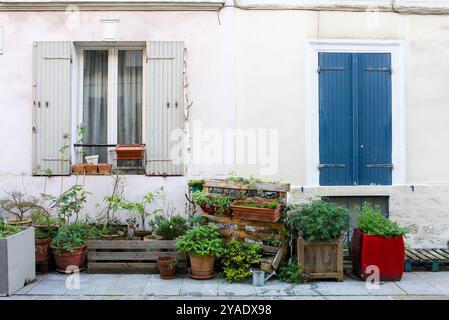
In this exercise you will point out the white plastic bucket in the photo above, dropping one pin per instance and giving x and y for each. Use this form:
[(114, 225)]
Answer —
[(92, 159)]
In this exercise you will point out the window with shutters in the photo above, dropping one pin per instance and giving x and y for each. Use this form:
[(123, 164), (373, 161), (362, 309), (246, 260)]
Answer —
[(355, 118), (119, 94)]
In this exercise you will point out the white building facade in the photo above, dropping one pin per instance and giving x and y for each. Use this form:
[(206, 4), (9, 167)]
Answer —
[(257, 87)]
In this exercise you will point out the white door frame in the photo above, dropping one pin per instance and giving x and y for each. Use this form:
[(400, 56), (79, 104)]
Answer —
[(396, 49)]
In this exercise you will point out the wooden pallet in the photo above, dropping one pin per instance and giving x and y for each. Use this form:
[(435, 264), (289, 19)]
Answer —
[(131, 256), (434, 258)]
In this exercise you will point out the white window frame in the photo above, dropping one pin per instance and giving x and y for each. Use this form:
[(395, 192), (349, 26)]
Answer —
[(112, 90), (396, 49)]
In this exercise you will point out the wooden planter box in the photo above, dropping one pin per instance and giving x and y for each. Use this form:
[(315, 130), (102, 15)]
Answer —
[(131, 256), (321, 259), (17, 261), (239, 210), (388, 254)]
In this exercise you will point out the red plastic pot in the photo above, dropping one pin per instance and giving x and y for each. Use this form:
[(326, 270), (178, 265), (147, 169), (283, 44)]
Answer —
[(388, 254), (129, 151)]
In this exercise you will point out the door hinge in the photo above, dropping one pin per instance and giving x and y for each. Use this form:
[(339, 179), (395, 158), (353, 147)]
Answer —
[(379, 165), (321, 69), (389, 70), (331, 165)]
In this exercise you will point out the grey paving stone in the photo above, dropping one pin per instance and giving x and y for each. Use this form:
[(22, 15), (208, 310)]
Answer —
[(200, 288), (413, 284), (347, 287), (236, 289), (156, 286), (386, 289), (306, 289), (275, 288), (49, 287), (438, 280)]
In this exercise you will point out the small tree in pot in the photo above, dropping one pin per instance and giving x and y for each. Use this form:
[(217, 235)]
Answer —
[(203, 244), (377, 242), (19, 205), (319, 226)]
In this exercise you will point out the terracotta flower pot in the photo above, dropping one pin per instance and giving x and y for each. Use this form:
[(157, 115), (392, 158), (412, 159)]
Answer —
[(202, 266), (104, 168), (111, 236), (167, 267), (42, 251), (25, 222), (64, 259), (78, 168), (91, 168)]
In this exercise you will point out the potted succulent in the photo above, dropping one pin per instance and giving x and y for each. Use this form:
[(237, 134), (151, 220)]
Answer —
[(17, 259), (257, 209), (69, 246), (203, 244), (380, 242), (213, 204), (319, 226), (18, 204)]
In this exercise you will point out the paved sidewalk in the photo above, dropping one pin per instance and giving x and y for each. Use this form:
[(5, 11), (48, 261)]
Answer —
[(415, 285)]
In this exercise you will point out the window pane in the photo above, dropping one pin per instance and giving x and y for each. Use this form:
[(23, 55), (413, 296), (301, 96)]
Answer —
[(95, 93), (129, 97)]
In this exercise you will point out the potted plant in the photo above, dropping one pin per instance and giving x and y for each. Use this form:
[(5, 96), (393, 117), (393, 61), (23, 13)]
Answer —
[(195, 185), (319, 226), (169, 228), (18, 204), (17, 259), (69, 203), (238, 258), (213, 204), (203, 244), (69, 246), (257, 209), (167, 267), (380, 242), (42, 245)]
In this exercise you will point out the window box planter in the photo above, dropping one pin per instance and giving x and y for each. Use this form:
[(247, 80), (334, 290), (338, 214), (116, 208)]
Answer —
[(388, 254), (321, 259), (17, 261), (240, 209), (130, 151)]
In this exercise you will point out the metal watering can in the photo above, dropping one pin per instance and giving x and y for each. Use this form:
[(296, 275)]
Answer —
[(259, 277)]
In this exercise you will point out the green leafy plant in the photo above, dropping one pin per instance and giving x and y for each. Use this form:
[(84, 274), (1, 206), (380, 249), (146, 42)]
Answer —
[(371, 221), (73, 235), (70, 203), (237, 259), (201, 241), (18, 204), (169, 228), (196, 184), (267, 205), (40, 234), (141, 207), (291, 272), (247, 182), (318, 220), (208, 200), (8, 230), (42, 217)]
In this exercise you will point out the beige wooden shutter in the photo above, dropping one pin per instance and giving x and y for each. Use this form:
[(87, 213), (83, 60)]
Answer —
[(51, 107), (164, 107)]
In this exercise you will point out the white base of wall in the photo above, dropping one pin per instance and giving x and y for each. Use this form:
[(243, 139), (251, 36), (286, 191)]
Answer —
[(424, 211)]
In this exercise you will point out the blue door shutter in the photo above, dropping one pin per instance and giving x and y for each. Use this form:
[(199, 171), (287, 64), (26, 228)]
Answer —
[(375, 119), (355, 118), (335, 118)]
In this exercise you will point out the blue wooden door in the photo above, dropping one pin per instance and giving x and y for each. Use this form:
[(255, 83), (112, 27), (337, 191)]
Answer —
[(354, 118)]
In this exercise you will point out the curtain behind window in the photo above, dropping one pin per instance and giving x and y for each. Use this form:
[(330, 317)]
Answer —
[(129, 97), (95, 93)]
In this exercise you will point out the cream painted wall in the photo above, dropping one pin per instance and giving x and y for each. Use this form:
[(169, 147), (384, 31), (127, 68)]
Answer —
[(271, 52)]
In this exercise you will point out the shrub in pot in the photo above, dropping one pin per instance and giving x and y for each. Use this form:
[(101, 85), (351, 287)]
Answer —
[(214, 204), (42, 245), (203, 244), (17, 260), (169, 228), (319, 226), (69, 245), (377, 242)]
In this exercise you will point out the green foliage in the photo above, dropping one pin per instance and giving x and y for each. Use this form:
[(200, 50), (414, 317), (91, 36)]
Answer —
[(39, 234), (18, 204), (269, 205), (318, 220), (291, 273), (196, 184), (74, 235), (223, 202), (169, 228), (202, 241), (8, 230), (248, 182), (41, 217), (70, 203), (371, 221), (141, 206), (237, 260)]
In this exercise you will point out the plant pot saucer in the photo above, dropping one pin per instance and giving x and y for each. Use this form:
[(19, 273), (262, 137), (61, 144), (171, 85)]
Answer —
[(167, 278), (70, 272), (201, 278)]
